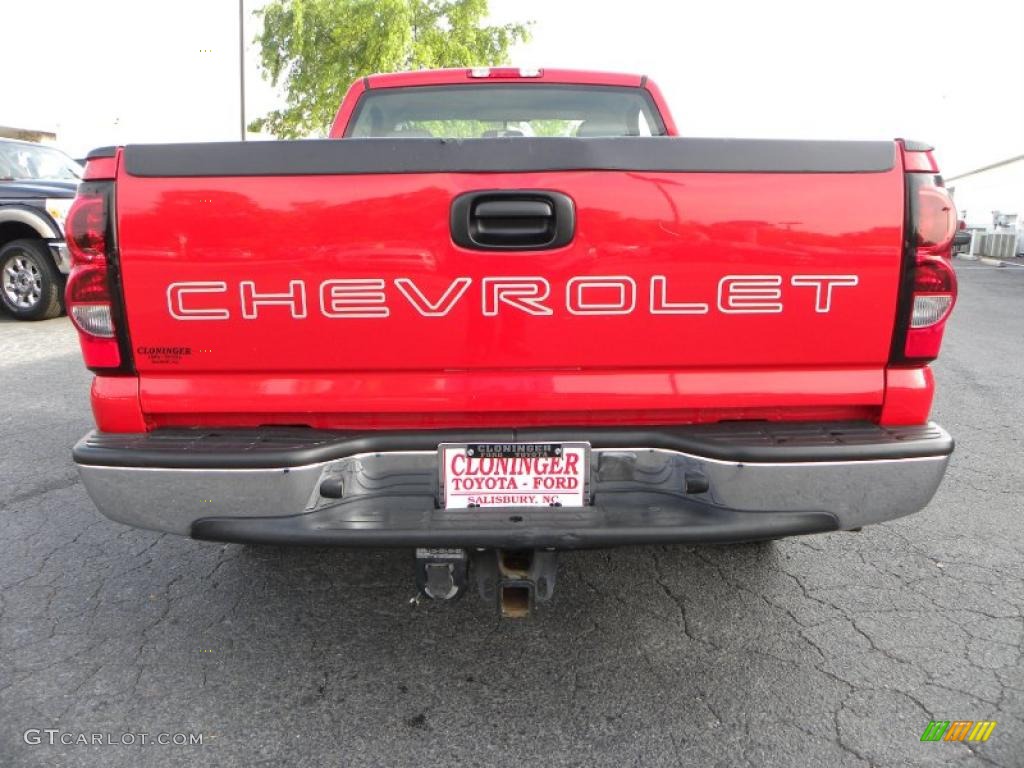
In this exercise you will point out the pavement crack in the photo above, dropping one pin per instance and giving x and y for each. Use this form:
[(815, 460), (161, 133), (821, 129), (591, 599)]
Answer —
[(57, 484)]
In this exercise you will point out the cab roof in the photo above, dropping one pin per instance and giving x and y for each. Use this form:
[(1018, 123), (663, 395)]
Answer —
[(467, 75)]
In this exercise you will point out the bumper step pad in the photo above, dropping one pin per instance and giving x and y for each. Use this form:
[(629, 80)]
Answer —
[(413, 521)]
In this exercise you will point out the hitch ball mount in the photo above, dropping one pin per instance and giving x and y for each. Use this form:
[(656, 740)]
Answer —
[(514, 581)]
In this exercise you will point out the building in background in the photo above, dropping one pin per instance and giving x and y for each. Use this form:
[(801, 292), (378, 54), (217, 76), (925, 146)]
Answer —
[(990, 200)]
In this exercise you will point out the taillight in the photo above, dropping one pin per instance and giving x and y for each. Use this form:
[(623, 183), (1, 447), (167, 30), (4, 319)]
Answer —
[(928, 288), (89, 298), (87, 224), (936, 219), (89, 301), (934, 293)]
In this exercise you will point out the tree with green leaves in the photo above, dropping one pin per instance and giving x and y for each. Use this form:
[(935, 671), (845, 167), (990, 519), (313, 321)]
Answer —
[(317, 48)]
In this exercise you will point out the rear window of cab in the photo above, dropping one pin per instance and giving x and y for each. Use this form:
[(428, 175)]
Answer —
[(493, 110)]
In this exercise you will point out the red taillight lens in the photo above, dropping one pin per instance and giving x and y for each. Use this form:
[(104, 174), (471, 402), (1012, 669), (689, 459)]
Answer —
[(89, 302), (88, 296), (936, 219), (934, 294), (933, 276), (89, 285), (86, 227)]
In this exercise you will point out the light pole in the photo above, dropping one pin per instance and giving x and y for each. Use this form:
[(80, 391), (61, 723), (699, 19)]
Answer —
[(241, 65)]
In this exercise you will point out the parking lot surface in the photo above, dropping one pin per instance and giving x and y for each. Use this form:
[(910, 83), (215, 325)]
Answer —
[(829, 650)]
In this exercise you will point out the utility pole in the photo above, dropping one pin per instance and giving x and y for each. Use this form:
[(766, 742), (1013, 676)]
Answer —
[(241, 65)]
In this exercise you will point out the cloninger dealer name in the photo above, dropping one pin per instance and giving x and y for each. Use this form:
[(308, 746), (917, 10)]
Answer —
[(489, 474)]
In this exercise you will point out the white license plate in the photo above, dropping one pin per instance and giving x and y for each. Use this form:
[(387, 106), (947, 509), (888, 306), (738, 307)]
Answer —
[(514, 474)]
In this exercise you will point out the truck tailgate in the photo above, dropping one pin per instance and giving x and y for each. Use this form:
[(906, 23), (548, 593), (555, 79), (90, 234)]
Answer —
[(339, 297)]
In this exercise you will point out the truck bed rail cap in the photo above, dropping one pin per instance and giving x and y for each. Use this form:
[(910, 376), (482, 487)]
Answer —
[(507, 155)]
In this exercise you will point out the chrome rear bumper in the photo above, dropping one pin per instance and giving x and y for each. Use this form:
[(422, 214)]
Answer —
[(264, 488)]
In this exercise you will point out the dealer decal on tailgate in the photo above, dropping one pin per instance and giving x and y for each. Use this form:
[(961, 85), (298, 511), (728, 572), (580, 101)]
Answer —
[(514, 474)]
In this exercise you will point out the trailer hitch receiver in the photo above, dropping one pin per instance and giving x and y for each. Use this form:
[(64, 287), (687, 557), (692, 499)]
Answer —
[(515, 580)]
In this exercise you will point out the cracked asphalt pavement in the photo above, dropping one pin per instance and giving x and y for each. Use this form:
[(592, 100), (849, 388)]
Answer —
[(831, 650)]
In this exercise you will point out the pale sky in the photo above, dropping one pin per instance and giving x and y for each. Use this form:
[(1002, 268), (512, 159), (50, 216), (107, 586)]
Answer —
[(951, 73)]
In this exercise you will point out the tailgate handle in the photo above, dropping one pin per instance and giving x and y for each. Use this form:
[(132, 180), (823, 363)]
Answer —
[(513, 220)]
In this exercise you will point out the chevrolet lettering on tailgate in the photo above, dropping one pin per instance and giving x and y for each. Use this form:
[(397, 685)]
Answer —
[(584, 295)]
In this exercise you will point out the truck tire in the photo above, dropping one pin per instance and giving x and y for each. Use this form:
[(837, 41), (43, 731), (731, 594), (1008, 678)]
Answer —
[(31, 288)]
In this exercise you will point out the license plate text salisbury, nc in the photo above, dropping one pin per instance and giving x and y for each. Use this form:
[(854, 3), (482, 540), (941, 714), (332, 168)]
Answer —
[(514, 475)]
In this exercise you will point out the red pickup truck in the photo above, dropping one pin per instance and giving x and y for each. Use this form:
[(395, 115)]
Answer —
[(501, 313)]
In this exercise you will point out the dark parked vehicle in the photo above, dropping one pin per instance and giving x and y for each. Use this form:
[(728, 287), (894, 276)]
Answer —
[(962, 237), (37, 185)]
